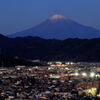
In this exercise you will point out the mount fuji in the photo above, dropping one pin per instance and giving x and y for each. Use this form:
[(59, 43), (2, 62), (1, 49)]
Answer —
[(59, 27)]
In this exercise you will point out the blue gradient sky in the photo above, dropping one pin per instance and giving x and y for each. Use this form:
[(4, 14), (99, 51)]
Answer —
[(18, 15)]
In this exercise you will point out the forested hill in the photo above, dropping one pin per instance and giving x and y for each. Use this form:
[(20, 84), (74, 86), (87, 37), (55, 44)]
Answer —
[(51, 49)]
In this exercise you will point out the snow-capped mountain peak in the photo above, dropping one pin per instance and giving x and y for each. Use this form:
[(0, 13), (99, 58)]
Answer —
[(59, 27), (56, 17)]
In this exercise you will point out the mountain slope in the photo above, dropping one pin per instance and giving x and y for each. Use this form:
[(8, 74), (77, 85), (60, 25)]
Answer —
[(12, 62), (50, 49), (7, 45), (59, 27)]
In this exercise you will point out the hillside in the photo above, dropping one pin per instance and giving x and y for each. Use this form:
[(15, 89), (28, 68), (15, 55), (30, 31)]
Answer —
[(51, 49)]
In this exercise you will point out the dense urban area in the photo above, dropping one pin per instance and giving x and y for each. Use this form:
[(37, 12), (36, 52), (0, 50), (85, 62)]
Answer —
[(55, 81)]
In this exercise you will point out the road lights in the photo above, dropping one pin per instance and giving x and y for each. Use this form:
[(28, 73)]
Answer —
[(76, 74), (92, 74), (84, 74)]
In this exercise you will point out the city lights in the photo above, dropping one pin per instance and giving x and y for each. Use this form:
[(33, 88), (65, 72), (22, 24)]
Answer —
[(66, 68), (84, 74), (57, 79), (76, 74), (49, 68), (92, 74)]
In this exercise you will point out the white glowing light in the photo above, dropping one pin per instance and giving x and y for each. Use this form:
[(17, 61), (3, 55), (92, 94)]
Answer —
[(66, 68), (92, 74), (76, 74), (72, 63), (18, 68), (36, 66), (84, 74), (49, 68)]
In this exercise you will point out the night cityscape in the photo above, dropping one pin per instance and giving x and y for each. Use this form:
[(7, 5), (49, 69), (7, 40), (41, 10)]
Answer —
[(54, 81), (49, 50)]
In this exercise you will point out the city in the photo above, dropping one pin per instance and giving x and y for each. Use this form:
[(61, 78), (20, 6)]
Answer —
[(54, 81), (49, 49)]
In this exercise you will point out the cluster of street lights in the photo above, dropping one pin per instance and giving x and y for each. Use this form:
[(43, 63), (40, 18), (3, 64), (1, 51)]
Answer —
[(84, 74)]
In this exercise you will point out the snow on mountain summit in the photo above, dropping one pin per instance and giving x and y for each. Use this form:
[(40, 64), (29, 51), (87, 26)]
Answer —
[(57, 17)]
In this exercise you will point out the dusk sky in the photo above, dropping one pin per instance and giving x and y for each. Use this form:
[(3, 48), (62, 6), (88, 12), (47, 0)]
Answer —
[(18, 15)]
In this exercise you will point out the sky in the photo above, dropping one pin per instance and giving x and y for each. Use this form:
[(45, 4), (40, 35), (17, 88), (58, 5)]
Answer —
[(18, 15)]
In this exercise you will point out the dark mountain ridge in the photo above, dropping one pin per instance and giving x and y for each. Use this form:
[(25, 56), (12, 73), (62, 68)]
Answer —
[(72, 49)]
